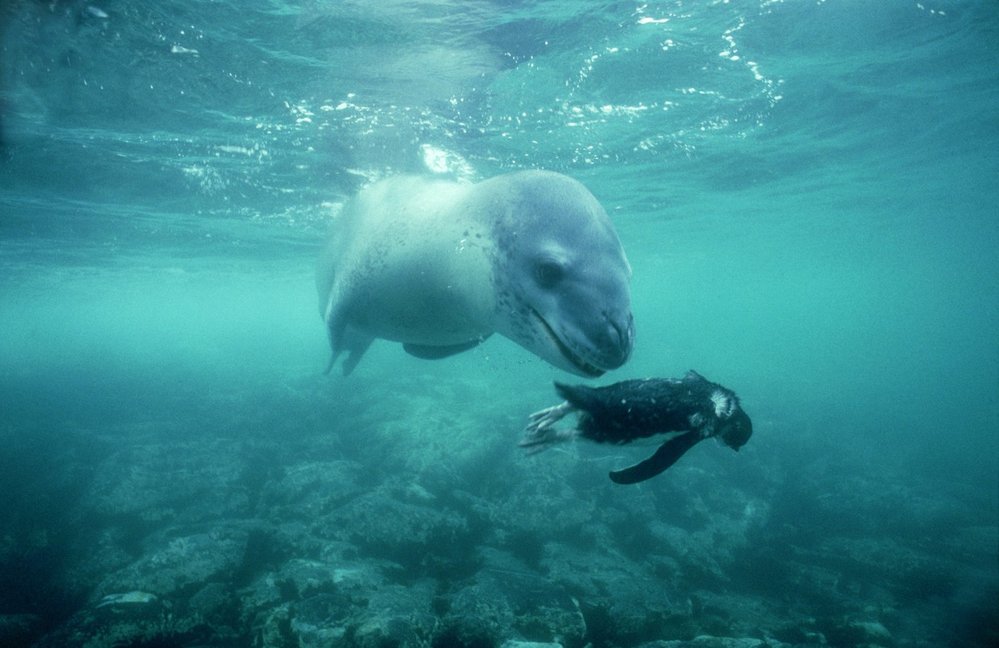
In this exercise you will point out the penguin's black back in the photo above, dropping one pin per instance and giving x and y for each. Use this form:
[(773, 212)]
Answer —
[(634, 409)]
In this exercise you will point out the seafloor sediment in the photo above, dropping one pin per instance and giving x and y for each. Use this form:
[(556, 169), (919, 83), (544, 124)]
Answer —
[(294, 519)]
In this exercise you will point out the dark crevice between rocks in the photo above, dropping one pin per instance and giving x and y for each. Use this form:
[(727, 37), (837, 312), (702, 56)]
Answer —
[(264, 552), (34, 584), (43, 476), (459, 634), (605, 629)]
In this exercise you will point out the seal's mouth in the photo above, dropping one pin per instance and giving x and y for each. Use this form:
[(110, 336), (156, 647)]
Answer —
[(584, 367)]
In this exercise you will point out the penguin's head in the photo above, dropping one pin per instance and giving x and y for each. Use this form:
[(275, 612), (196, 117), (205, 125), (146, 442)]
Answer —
[(736, 429)]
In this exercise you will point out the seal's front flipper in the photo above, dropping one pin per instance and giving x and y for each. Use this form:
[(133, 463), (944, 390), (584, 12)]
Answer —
[(664, 457), (428, 352)]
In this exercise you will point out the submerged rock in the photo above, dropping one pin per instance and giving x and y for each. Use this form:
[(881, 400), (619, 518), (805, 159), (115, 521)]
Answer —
[(134, 598), (321, 620), (148, 484), (19, 629), (396, 615), (337, 601), (873, 632), (707, 641), (389, 523), (622, 602), (182, 562), (506, 601), (309, 490), (384, 545)]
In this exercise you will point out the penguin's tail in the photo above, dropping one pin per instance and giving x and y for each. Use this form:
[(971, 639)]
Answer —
[(579, 396)]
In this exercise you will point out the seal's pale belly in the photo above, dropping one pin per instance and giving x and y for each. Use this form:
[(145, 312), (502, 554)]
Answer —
[(441, 297), (423, 313)]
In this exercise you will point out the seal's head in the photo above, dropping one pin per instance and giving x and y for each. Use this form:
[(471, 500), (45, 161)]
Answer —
[(561, 274)]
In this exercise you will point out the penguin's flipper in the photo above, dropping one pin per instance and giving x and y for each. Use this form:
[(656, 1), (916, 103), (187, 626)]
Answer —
[(664, 457)]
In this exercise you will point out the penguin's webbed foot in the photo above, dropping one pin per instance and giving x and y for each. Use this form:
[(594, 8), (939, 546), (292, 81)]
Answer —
[(540, 434)]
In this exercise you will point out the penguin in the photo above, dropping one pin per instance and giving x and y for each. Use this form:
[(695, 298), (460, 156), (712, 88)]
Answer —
[(689, 409)]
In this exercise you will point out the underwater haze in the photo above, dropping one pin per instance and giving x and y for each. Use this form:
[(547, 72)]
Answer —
[(806, 192)]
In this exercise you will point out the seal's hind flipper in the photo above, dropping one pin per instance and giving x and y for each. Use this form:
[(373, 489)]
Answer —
[(664, 457), (342, 338), (355, 351)]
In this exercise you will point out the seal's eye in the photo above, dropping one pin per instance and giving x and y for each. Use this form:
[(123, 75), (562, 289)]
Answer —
[(548, 273)]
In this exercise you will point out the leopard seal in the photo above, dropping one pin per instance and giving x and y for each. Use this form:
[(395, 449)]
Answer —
[(440, 266), (689, 409)]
